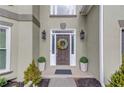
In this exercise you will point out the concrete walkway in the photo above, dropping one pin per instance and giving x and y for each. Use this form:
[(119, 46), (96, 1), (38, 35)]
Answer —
[(62, 82)]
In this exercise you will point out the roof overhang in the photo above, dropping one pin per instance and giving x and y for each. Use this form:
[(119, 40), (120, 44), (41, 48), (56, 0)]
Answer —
[(85, 9)]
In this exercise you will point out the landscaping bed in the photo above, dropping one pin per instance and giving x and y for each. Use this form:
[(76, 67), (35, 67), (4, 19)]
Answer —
[(87, 82), (43, 83)]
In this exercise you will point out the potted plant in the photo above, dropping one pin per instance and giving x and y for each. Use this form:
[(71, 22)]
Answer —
[(42, 62), (83, 64)]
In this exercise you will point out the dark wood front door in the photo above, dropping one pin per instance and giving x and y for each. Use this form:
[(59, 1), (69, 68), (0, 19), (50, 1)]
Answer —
[(63, 55)]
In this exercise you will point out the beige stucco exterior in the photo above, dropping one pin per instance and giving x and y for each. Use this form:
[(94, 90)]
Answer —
[(86, 47), (36, 33), (49, 23), (112, 55), (92, 28), (20, 9), (27, 44), (25, 41), (25, 47)]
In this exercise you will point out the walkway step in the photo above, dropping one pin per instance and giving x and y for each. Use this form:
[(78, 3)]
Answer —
[(62, 82)]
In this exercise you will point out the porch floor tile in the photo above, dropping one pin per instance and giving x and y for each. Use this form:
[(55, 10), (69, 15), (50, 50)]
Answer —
[(76, 73)]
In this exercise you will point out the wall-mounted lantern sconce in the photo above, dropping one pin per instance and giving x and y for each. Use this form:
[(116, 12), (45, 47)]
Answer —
[(82, 35), (44, 35)]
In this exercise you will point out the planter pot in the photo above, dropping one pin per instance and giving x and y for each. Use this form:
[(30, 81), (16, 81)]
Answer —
[(42, 66), (83, 67)]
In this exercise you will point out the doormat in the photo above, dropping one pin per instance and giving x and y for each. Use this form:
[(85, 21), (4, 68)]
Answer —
[(63, 71)]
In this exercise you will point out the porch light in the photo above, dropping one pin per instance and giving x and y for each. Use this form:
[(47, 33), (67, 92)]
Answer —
[(82, 35), (44, 35)]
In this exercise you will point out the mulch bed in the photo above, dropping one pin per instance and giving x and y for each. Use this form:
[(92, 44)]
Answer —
[(43, 83), (80, 82), (87, 82), (10, 84)]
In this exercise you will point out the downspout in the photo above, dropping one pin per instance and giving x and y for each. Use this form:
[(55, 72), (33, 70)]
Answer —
[(101, 45)]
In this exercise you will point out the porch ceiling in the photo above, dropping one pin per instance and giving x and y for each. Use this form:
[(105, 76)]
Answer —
[(85, 9)]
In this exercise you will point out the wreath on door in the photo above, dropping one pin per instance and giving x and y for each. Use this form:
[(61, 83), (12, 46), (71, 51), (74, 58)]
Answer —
[(62, 44)]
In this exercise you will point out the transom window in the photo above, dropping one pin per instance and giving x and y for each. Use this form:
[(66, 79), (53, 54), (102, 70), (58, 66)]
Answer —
[(4, 49), (61, 10)]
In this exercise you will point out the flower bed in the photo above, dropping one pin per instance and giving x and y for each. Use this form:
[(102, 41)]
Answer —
[(43, 83)]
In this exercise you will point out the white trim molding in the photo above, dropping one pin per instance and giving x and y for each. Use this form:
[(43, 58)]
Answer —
[(18, 17), (8, 44), (71, 33), (101, 64), (121, 28)]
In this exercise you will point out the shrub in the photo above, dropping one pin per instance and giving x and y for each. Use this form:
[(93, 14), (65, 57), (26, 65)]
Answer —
[(117, 79), (32, 74), (3, 82), (83, 60), (41, 60)]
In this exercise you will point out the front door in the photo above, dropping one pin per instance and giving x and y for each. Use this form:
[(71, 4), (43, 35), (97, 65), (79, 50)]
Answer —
[(63, 47), (62, 50)]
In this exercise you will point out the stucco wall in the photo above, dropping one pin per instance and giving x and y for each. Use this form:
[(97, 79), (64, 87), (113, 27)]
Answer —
[(36, 33), (9, 8), (20, 9), (36, 11), (29, 34), (25, 48), (92, 27), (36, 40), (48, 23), (112, 39), (21, 43), (24, 9), (26, 38)]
